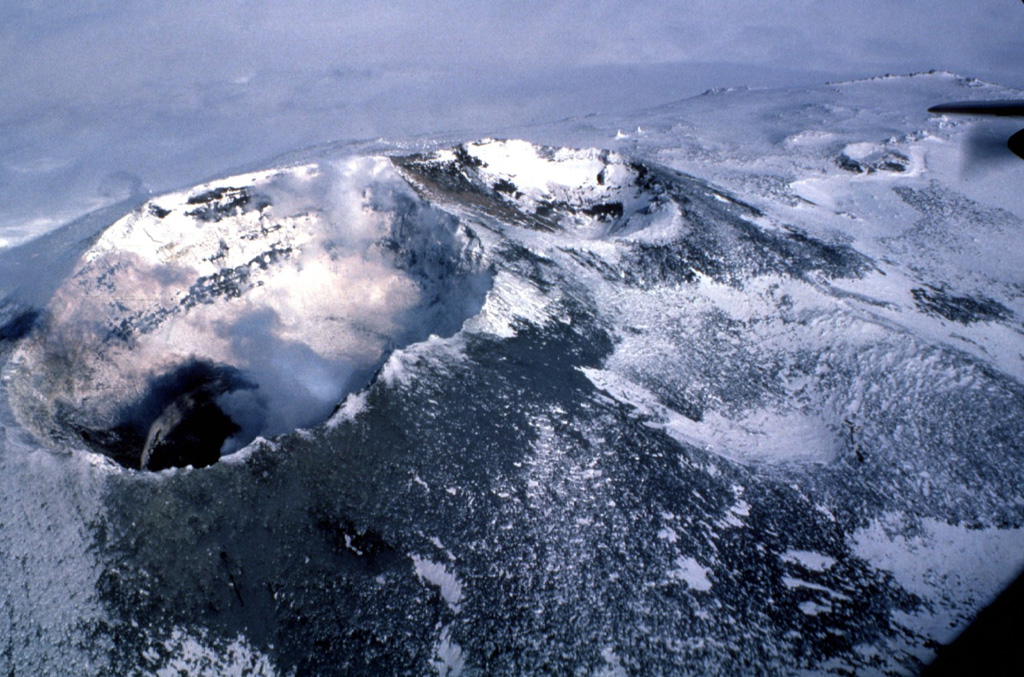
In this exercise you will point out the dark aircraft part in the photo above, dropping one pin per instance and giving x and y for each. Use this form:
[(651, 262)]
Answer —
[(1016, 144), (1008, 108), (991, 644)]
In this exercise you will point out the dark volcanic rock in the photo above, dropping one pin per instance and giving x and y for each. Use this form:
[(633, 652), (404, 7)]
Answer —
[(962, 309), (216, 204)]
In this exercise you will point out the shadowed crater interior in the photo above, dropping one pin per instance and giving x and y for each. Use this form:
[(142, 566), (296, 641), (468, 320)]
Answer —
[(177, 423)]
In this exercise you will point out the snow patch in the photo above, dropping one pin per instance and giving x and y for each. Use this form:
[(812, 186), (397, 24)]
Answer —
[(511, 301), (189, 653), (353, 405), (958, 570), (692, 573), (522, 162), (814, 608), (438, 575), (811, 561), (449, 659), (792, 583), (612, 664), (759, 436), (668, 534)]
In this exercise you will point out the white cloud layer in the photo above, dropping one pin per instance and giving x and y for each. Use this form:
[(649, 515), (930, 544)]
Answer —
[(101, 99)]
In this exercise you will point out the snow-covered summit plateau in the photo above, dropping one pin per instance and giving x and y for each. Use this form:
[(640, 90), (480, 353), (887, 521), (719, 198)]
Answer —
[(732, 386)]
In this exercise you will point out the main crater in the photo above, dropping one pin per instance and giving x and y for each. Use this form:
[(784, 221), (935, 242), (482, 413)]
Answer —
[(246, 306)]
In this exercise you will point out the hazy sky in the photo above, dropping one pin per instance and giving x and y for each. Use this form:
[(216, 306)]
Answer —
[(104, 97)]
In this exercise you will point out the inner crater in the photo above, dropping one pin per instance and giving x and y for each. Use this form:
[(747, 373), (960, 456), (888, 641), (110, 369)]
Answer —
[(247, 306)]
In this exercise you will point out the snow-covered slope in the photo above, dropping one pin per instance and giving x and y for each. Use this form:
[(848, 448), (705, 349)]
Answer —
[(738, 391)]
